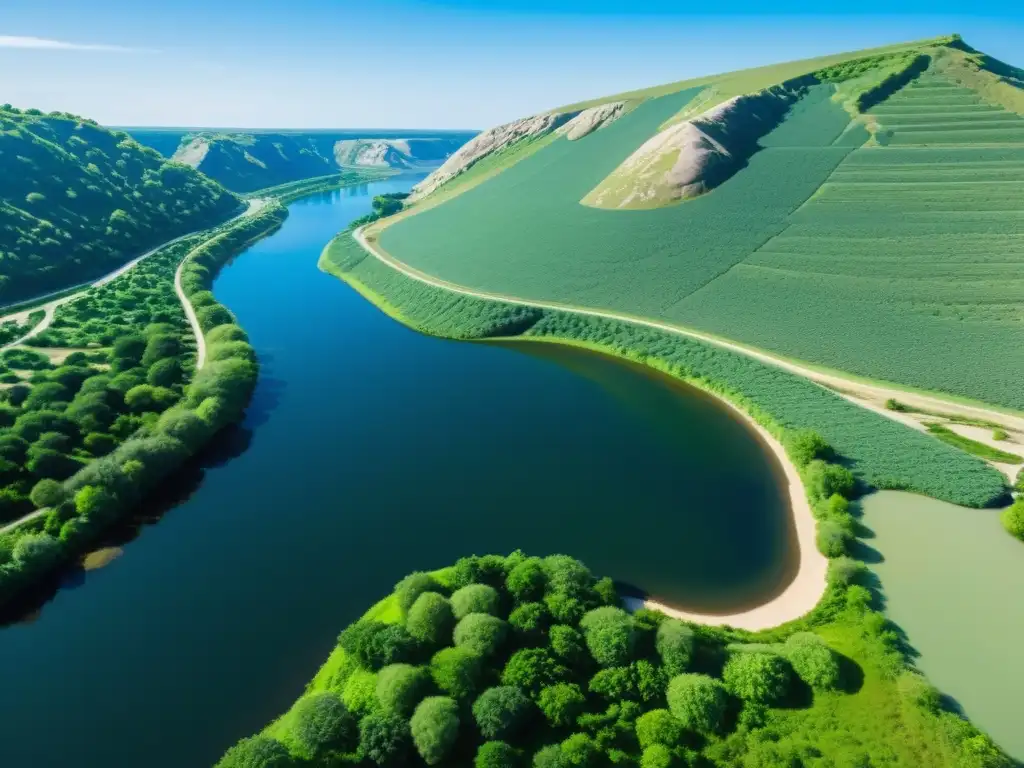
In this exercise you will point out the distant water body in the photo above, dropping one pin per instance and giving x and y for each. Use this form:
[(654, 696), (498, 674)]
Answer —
[(370, 451)]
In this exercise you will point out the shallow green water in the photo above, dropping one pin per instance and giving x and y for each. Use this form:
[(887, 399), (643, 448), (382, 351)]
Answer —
[(954, 581)]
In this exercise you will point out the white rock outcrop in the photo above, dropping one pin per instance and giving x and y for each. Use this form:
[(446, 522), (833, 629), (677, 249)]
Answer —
[(590, 120), (487, 143)]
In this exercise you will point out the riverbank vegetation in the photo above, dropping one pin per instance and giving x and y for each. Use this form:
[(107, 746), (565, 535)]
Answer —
[(79, 200), (12, 330), (294, 190), (85, 439), (880, 452), (874, 232), (518, 661), (946, 435)]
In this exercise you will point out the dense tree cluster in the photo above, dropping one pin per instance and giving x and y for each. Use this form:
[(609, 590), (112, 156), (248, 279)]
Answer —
[(88, 437), (79, 200), (521, 661)]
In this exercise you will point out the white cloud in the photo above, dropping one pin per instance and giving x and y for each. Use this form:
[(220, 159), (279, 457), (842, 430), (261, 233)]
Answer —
[(43, 44)]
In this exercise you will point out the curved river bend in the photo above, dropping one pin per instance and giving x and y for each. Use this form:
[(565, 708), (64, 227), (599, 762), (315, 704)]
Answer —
[(372, 451)]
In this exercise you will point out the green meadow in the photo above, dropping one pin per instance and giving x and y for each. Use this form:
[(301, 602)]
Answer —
[(894, 256)]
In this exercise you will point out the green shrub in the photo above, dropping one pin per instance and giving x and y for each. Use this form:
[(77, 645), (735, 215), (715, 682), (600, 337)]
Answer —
[(375, 644), (475, 569), (528, 621), (832, 538), (47, 493), (580, 750), (999, 434), (757, 676), (805, 445), (37, 552), (359, 694), (1012, 519), (257, 752), (412, 586), (675, 646), (657, 756), (435, 727), (400, 687), (698, 702), (527, 581), (614, 684), (532, 669), (475, 598), (321, 723), (457, 671), (223, 333), (812, 660), (561, 703), (823, 480), (385, 739), (568, 576), (430, 619), (658, 727), (564, 608), (501, 712), (609, 635), (567, 644), (843, 571), (548, 757), (496, 754), (481, 634)]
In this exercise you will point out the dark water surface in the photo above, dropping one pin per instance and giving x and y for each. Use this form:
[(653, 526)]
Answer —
[(375, 451)]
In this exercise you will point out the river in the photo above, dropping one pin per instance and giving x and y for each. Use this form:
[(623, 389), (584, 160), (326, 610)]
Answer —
[(370, 451)]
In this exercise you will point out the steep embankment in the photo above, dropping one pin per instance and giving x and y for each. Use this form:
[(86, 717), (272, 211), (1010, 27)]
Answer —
[(79, 200), (256, 160)]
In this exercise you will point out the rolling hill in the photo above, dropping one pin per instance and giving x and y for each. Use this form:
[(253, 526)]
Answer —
[(78, 200), (245, 161), (862, 212)]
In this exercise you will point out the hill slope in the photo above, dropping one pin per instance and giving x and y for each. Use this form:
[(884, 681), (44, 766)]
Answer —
[(78, 200), (861, 212), (247, 161)]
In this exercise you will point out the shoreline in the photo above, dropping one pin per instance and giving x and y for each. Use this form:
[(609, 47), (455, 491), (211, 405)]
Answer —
[(804, 591), (807, 587)]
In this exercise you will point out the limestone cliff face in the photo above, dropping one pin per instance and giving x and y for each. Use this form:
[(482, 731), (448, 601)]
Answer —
[(693, 157), (590, 120), (396, 153), (487, 143)]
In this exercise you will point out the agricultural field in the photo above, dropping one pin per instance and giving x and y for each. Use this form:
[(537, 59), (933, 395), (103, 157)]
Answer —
[(884, 244), (881, 452)]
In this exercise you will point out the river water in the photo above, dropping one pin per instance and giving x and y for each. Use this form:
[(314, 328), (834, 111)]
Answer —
[(370, 451)]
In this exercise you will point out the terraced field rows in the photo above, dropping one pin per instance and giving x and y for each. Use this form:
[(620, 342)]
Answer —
[(908, 263)]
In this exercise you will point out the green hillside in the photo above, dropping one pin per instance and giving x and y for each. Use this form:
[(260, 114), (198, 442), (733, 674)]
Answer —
[(874, 226), (78, 201)]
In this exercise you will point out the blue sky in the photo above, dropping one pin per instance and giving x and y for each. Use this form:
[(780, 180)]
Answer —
[(419, 64)]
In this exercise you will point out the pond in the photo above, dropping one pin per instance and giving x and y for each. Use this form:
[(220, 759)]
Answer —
[(370, 451)]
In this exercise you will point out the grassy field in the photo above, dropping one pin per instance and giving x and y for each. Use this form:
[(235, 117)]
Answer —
[(893, 257), (881, 452)]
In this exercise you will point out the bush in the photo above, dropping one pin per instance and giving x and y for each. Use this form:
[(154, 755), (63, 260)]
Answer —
[(184, 425), (400, 687), (1012, 519), (374, 644), (212, 315), (412, 586), (228, 332), (481, 634), (37, 552), (757, 676), (561, 704), (321, 723), (430, 619), (548, 757), (843, 571), (568, 644), (360, 692), (501, 712), (532, 669), (698, 702), (47, 493), (475, 598), (457, 672), (496, 754), (385, 739), (812, 660), (580, 750), (527, 581), (164, 373), (568, 576), (609, 635), (674, 643), (257, 752), (615, 684), (658, 727), (488, 569), (804, 446), (823, 480), (832, 538), (564, 608), (435, 727), (657, 756), (528, 621)]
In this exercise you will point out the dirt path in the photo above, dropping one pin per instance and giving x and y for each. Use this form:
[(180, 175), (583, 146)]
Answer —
[(51, 307), (855, 390), (255, 206)]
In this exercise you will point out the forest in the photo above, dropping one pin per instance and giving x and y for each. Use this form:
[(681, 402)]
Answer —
[(79, 201)]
